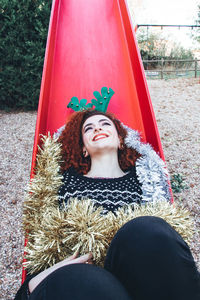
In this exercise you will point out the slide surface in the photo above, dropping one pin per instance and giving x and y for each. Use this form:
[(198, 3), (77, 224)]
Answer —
[(92, 44)]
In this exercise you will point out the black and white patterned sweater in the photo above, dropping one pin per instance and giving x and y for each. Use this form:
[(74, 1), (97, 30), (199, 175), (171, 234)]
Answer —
[(111, 193)]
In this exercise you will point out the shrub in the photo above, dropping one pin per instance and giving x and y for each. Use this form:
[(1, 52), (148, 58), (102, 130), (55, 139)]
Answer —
[(23, 27), (177, 183)]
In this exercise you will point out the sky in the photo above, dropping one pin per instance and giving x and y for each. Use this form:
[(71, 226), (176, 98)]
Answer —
[(175, 12)]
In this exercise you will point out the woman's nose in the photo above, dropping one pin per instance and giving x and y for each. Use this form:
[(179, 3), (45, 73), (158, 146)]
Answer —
[(97, 129)]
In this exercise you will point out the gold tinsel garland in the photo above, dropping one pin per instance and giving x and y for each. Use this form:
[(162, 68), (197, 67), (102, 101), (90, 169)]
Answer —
[(55, 234)]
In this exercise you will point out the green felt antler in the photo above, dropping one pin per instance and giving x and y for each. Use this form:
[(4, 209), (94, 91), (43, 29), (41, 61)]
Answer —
[(101, 102), (76, 106), (103, 99)]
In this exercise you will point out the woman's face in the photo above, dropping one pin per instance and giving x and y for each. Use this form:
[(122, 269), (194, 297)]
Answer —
[(99, 134)]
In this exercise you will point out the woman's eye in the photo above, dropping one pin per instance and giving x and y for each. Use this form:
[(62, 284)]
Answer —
[(106, 123), (87, 129)]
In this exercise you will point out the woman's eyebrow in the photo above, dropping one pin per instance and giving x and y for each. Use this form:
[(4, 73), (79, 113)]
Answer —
[(89, 124), (103, 120)]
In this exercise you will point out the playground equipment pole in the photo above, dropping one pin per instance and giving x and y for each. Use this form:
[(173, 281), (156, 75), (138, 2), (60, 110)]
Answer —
[(157, 25)]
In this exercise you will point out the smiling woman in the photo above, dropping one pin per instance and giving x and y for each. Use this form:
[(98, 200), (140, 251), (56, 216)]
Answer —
[(79, 127), (97, 163), (101, 143)]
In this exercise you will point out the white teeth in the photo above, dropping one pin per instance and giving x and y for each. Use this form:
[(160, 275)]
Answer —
[(99, 137)]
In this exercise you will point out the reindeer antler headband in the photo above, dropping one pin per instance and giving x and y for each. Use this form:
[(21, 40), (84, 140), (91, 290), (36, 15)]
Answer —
[(101, 102)]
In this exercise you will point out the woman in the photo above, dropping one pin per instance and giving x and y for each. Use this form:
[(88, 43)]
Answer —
[(147, 258), (107, 163), (97, 163)]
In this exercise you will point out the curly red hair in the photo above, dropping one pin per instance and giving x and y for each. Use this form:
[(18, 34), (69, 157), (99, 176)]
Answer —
[(72, 143)]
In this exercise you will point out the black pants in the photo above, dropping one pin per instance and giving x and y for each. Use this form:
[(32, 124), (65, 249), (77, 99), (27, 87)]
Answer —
[(152, 261), (147, 259)]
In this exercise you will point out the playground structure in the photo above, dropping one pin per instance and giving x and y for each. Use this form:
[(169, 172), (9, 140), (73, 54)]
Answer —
[(92, 44), (162, 26)]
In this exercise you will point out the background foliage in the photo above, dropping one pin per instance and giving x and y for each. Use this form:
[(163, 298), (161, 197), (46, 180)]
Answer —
[(23, 29), (196, 36), (155, 47)]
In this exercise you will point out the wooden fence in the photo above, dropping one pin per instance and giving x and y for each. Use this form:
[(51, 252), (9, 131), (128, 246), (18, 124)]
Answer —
[(164, 67)]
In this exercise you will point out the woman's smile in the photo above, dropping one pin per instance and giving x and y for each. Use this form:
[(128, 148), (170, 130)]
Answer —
[(100, 136)]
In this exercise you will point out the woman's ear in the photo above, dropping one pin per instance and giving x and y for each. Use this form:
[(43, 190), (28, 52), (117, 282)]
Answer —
[(121, 143), (85, 152)]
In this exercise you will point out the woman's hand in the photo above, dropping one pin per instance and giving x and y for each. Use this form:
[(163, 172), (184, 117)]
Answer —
[(87, 258)]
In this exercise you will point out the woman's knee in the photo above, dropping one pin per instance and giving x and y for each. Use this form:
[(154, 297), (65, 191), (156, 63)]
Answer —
[(145, 226), (146, 232), (144, 223)]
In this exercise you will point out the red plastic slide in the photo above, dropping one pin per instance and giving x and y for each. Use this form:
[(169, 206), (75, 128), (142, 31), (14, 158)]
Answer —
[(92, 44)]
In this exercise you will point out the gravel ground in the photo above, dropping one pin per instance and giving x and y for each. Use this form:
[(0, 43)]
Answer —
[(177, 108), (176, 105)]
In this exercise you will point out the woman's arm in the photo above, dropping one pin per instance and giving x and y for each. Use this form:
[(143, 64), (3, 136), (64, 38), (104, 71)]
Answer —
[(33, 283)]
